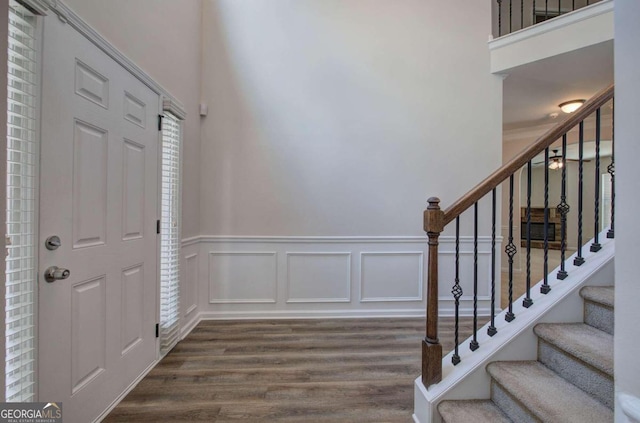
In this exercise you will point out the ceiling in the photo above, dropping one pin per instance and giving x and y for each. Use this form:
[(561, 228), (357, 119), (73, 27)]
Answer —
[(531, 92)]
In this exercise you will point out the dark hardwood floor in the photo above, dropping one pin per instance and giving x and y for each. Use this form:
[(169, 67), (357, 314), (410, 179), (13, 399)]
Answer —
[(338, 370)]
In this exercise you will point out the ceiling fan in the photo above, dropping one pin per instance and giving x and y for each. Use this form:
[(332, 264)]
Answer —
[(555, 160)]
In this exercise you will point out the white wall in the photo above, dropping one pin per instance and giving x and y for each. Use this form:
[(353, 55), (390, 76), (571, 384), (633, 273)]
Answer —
[(331, 117), (627, 313), (163, 38), (330, 124)]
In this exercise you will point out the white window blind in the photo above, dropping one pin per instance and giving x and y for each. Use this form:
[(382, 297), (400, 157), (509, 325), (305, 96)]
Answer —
[(22, 149), (170, 234)]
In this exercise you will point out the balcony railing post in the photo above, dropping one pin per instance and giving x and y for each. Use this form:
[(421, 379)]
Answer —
[(431, 347)]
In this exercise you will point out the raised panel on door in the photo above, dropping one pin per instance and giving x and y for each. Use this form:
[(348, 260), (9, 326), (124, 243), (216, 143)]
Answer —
[(133, 197), (88, 332), (89, 191), (132, 308)]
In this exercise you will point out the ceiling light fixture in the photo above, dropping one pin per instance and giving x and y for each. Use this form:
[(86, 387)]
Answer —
[(555, 161), (571, 105)]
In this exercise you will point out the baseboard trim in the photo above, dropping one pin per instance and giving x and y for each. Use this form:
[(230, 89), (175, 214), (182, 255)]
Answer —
[(124, 393), (301, 314), (189, 326)]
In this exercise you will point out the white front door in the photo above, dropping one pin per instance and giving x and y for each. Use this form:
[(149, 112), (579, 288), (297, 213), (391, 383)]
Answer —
[(98, 194)]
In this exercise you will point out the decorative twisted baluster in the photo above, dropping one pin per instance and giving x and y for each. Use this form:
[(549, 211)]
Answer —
[(491, 330), (511, 251), (579, 260), (545, 288), (595, 246), (611, 171), (527, 302), (474, 342), (563, 209), (457, 293), (510, 16), (499, 18)]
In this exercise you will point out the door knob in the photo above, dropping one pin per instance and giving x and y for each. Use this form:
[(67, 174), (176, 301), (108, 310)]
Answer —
[(55, 273)]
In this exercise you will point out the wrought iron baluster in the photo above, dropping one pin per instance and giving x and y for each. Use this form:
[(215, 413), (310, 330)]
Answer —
[(559, 7), (611, 171), (546, 9), (492, 327), (579, 260), (563, 209), (511, 250), (533, 16), (521, 14), (499, 18), (527, 302), (545, 288), (595, 246), (510, 16), (573, 5), (474, 342), (457, 293)]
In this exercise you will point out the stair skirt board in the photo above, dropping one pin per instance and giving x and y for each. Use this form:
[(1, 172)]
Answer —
[(515, 340)]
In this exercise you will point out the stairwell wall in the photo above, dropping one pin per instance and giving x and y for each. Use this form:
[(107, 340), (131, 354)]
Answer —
[(627, 313), (330, 123)]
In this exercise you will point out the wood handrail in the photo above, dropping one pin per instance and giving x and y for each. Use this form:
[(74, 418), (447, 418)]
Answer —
[(544, 141)]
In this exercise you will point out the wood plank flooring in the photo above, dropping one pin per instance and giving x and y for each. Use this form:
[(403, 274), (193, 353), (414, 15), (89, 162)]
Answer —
[(338, 370)]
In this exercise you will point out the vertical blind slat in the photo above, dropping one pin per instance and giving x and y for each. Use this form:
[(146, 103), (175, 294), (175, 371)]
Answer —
[(20, 282)]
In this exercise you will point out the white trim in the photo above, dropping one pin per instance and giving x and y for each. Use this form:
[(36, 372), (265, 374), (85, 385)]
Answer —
[(190, 241), (311, 314), (176, 109), (68, 16), (124, 393), (630, 406), (561, 21), (40, 7), (420, 296), (187, 328), (310, 239), (410, 239), (272, 300), (293, 300)]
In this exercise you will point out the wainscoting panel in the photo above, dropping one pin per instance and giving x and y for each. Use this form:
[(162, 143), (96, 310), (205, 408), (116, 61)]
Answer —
[(242, 277), (316, 277), (391, 276), (190, 274)]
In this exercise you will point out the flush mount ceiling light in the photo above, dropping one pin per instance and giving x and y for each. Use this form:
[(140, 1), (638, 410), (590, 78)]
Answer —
[(571, 105)]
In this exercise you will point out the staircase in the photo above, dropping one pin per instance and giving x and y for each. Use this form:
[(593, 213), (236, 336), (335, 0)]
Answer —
[(572, 380)]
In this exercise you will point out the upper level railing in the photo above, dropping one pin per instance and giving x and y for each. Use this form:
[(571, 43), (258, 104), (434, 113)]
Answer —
[(436, 219), (514, 15)]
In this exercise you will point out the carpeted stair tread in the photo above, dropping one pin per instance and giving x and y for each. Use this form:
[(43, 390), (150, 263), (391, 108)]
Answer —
[(471, 411), (546, 395), (584, 342), (599, 294)]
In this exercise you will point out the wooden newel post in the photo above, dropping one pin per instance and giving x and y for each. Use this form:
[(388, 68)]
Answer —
[(431, 348)]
